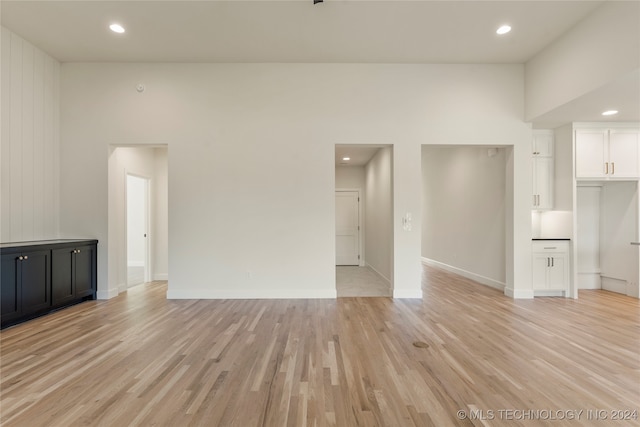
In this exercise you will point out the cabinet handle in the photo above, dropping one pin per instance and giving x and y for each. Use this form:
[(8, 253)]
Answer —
[(550, 247), (548, 262), (606, 168), (552, 263), (613, 168), (538, 200)]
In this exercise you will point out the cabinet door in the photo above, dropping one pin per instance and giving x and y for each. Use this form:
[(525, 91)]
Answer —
[(543, 183), (540, 263), (591, 153), (34, 272), (62, 289), (623, 154), (84, 271), (558, 276), (543, 145), (10, 292)]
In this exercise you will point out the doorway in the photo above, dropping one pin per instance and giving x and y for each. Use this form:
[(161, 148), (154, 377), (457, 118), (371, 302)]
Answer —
[(137, 230), (364, 220)]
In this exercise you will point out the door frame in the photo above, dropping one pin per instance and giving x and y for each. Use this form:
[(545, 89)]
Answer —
[(362, 262), (147, 214)]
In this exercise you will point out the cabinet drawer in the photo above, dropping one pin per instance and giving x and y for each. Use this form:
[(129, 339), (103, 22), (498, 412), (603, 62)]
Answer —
[(550, 246)]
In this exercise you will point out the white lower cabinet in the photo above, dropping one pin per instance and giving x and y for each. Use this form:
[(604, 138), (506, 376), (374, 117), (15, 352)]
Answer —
[(551, 267)]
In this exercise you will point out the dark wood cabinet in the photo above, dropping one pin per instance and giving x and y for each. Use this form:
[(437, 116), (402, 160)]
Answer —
[(74, 272), (26, 283), (38, 277)]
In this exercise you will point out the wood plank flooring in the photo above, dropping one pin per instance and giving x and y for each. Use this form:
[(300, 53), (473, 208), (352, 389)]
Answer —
[(140, 359)]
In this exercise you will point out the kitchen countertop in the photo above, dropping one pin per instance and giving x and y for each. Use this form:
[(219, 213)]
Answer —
[(552, 238)]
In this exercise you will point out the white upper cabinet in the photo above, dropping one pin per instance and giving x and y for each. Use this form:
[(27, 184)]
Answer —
[(623, 154), (542, 152), (607, 154)]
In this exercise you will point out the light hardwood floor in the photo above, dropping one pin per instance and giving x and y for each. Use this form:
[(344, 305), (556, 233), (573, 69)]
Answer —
[(140, 359)]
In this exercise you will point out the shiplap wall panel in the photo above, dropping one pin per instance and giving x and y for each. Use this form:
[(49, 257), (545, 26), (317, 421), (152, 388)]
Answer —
[(15, 141), (38, 143), (5, 152), (30, 141)]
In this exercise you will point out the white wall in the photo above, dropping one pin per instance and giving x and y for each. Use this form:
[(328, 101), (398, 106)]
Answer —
[(30, 142), (587, 57), (160, 216), (350, 177), (587, 262), (463, 212), (379, 213), (146, 162), (252, 189), (619, 227)]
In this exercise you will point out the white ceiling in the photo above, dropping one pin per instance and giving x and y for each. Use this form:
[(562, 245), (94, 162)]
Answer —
[(336, 31), (351, 31), (359, 155)]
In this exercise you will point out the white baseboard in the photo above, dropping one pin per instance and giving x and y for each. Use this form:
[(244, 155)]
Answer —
[(160, 276), (407, 293), (122, 287), (589, 281), (614, 285), (108, 294), (251, 294), (380, 275), (464, 273), (545, 293), (518, 293)]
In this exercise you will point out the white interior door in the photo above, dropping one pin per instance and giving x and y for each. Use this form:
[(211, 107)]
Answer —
[(137, 230), (347, 228)]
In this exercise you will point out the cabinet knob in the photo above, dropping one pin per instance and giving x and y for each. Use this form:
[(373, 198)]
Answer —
[(26, 257), (20, 258)]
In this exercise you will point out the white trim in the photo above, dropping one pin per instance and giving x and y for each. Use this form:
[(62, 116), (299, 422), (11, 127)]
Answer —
[(589, 280), (548, 293), (380, 275), (407, 293), (487, 281), (252, 294), (518, 294), (111, 293), (160, 276), (122, 287)]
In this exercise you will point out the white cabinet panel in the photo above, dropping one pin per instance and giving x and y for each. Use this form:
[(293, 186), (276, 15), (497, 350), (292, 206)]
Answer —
[(542, 152), (551, 267), (591, 154), (542, 183), (607, 154), (623, 154)]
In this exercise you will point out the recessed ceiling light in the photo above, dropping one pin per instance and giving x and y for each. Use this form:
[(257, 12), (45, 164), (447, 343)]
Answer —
[(610, 113), (503, 30), (346, 159), (116, 28)]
